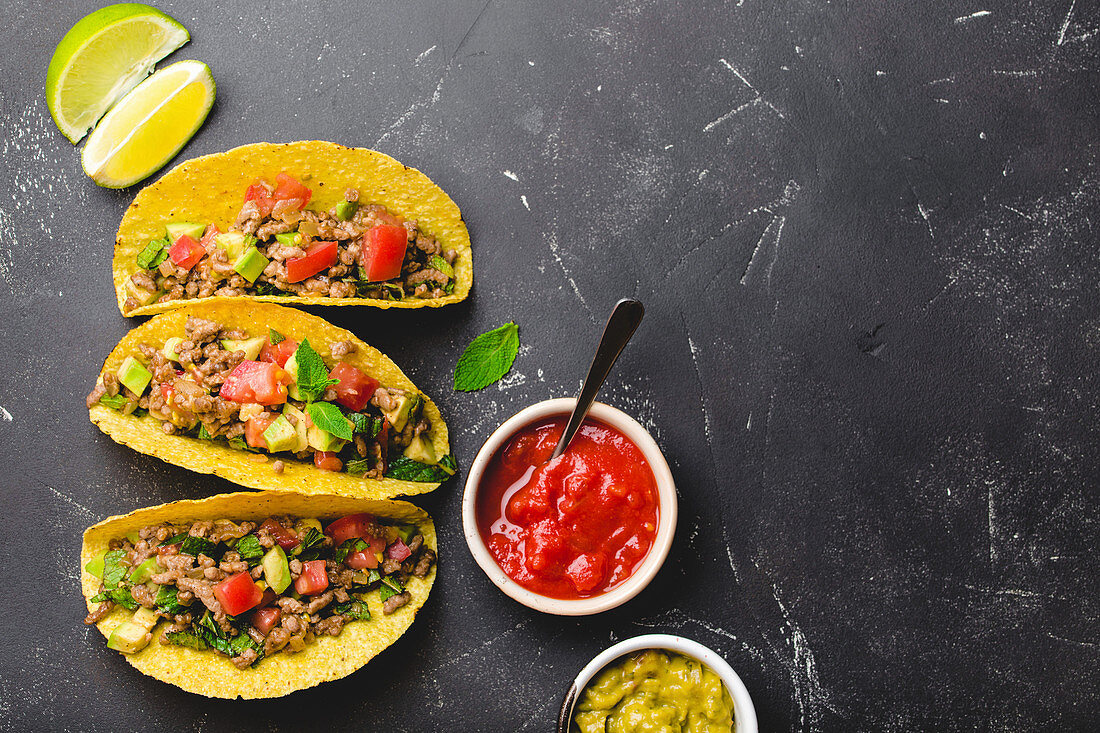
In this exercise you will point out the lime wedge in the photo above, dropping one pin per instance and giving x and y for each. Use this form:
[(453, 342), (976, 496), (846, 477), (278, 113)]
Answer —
[(104, 56), (149, 125)]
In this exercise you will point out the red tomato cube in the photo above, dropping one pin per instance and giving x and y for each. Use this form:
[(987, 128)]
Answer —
[(355, 388), (314, 578), (384, 251), (255, 381), (238, 593), (318, 258)]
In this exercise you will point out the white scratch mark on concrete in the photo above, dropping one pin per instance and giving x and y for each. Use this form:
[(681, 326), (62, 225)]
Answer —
[(69, 500), (992, 519), (510, 174), (1094, 645), (552, 242), (950, 284), (761, 243), (759, 97), (424, 55), (1017, 212), (1065, 24), (1015, 72), (412, 110), (973, 16), (5, 414), (732, 113), (924, 215), (524, 200)]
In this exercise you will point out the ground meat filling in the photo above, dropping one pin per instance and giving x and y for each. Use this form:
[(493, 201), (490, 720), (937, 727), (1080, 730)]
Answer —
[(426, 272), (192, 562)]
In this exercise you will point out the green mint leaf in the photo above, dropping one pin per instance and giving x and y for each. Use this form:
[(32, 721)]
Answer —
[(438, 263), (175, 540), (354, 608), (115, 403), (358, 466), (250, 549), (487, 358), (167, 600), (187, 639), (275, 337), (154, 253), (310, 545), (204, 434), (196, 545), (113, 569), (329, 418), (406, 469), (365, 425), (121, 596), (312, 372), (392, 582)]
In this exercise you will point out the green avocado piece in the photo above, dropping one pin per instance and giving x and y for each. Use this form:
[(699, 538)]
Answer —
[(289, 239), (171, 348), (323, 440), (280, 435), (276, 569), (407, 531), (129, 638), (144, 571), (251, 264), (133, 375), (177, 229), (291, 368), (407, 406), (146, 617), (234, 243), (422, 449), (95, 565), (346, 209), (140, 294), (251, 347), (300, 425)]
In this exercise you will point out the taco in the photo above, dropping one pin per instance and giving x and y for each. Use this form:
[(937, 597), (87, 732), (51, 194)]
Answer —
[(271, 398), (305, 222), (257, 594)]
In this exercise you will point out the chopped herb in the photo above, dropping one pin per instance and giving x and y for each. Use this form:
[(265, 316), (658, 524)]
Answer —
[(328, 417), (188, 639), (196, 546), (365, 425), (312, 373), (355, 544), (275, 337), (240, 444), (355, 609), (204, 434), (448, 464), (449, 287), (438, 263), (250, 549), (121, 596), (115, 403), (373, 577), (385, 592), (393, 583), (310, 545), (393, 291), (113, 569), (358, 466), (167, 600), (406, 469), (154, 253), (487, 358), (175, 540)]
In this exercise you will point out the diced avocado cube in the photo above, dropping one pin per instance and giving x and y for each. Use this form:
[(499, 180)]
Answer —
[(133, 536), (234, 243), (171, 348), (422, 449), (346, 209), (133, 375), (129, 638), (140, 294), (251, 264), (280, 435), (406, 408), (144, 571), (291, 368), (251, 347), (300, 425), (177, 229), (146, 617), (276, 569), (323, 440), (289, 239), (95, 565)]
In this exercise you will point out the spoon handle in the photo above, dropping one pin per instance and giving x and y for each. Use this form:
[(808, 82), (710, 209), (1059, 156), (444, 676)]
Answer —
[(621, 324)]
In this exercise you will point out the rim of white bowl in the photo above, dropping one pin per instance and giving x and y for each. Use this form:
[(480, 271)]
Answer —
[(744, 712), (666, 522)]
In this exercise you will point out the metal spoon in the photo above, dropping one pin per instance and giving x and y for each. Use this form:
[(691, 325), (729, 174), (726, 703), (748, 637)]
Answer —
[(621, 324)]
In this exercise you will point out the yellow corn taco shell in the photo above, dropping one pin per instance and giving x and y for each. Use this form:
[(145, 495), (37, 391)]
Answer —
[(144, 434), (210, 189), (326, 658)]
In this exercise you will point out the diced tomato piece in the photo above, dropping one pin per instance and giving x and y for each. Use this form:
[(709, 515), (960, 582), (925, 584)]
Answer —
[(265, 619), (268, 598), (398, 551), (286, 538), (326, 460), (362, 560), (384, 251), (264, 201), (207, 240), (256, 381), (287, 188), (320, 256), (186, 252), (314, 578), (280, 352), (353, 525), (255, 427), (238, 593), (355, 388)]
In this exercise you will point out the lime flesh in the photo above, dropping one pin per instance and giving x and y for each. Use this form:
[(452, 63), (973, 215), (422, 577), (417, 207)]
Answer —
[(149, 125), (102, 57)]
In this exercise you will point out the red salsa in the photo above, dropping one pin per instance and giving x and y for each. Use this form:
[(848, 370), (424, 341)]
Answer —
[(574, 527)]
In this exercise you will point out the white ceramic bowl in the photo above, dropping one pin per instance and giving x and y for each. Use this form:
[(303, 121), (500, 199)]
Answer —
[(744, 713), (666, 522)]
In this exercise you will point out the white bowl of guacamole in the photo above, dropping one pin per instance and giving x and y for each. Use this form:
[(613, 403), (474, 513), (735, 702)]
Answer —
[(657, 682)]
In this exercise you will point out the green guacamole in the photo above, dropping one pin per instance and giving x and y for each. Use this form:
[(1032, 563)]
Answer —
[(654, 691)]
